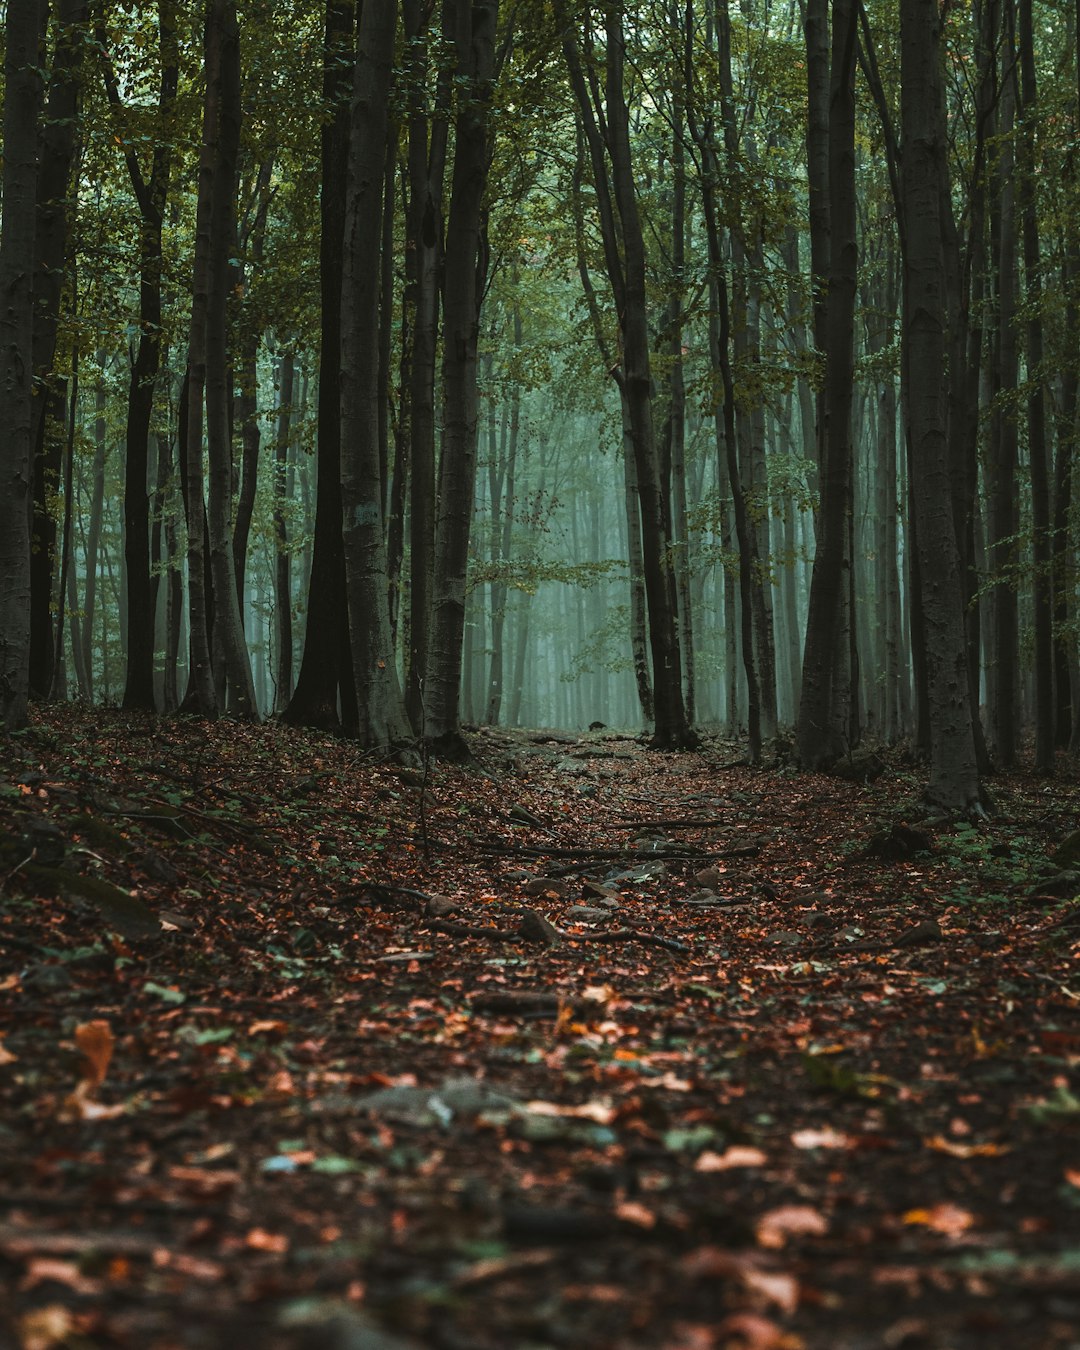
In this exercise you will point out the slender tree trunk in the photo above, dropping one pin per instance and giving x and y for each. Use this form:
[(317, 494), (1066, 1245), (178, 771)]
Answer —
[(466, 266), (22, 114), (381, 719), (1038, 454), (1004, 518), (825, 705), (283, 670), (150, 194), (221, 142), (423, 253), (326, 666)]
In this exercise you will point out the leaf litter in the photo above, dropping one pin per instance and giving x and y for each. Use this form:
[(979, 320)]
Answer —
[(660, 1052)]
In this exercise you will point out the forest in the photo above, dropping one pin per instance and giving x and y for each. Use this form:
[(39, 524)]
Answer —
[(538, 638), (670, 367)]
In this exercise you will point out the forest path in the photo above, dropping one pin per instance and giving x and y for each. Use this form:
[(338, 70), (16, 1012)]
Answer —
[(578, 1046)]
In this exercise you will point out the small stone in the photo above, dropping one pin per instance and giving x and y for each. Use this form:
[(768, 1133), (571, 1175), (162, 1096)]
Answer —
[(587, 913), (548, 886), (920, 935), (45, 979), (535, 928)]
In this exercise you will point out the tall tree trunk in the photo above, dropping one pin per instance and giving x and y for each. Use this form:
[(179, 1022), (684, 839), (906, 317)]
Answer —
[(221, 144), (54, 208), (381, 719), (22, 114), (1004, 517), (954, 782), (282, 580), (825, 705), (326, 666), (466, 266), (423, 253), (150, 194), (1038, 453)]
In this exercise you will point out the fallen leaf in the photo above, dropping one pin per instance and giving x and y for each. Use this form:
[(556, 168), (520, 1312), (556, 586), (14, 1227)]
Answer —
[(46, 1327), (738, 1155), (259, 1240), (603, 1113), (205, 1180), (825, 1138), (630, 1211), (51, 1268), (96, 1041), (947, 1218), (6, 1057), (775, 1227), (940, 1144)]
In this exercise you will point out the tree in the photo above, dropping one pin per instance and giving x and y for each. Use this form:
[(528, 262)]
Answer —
[(150, 195), (22, 117), (954, 781), (606, 122), (324, 688), (465, 269), (381, 719), (827, 705)]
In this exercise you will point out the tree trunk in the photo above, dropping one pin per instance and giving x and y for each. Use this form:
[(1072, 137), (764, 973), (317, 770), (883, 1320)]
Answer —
[(326, 666), (1042, 581), (381, 719), (22, 114), (282, 580), (954, 782), (150, 194), (1004, 518), (54, 208), (218, 162), (465, 270), (825, 704)]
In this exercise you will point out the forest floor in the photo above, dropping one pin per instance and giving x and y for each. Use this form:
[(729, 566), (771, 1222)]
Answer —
[(577, 1046)]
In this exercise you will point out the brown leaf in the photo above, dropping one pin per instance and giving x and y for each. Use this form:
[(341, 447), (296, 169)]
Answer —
[(777, 1225), (96, 1041)]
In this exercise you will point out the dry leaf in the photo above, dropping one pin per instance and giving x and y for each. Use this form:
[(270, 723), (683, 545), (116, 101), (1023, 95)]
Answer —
[(632, 1212), (826, 1138), (46, 1327), (940, 1144), (778, 1288), (601, 1112), (51, 1268), (96, 1041), (259, 1240), (945, 1218), (738, 1155), (775, 1227), (6, 1057)]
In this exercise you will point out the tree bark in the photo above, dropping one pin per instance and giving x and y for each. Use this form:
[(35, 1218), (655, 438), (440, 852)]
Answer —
[(465, 270), (381, 719), (826, 701), (954, 782), (54, 208), (150, 194), (22, 116), (326, 666)]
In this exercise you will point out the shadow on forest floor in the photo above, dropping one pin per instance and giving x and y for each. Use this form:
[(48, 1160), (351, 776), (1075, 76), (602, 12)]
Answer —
[(641, 1051)]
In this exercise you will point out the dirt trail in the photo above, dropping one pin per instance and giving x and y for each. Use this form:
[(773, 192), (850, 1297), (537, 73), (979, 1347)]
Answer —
[(577, 1046)]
